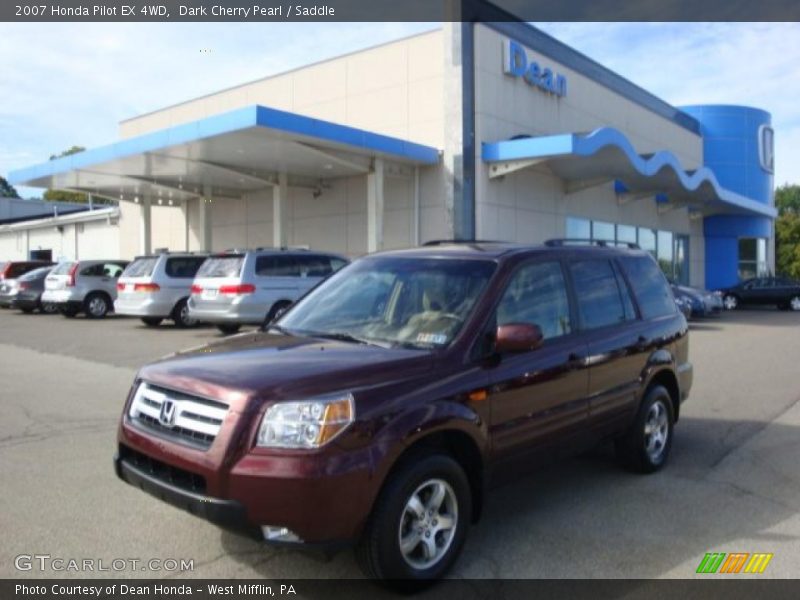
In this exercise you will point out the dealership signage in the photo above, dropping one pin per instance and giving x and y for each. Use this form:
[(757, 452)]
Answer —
[(517, 64)]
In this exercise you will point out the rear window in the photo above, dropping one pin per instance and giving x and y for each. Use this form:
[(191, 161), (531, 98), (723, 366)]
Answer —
[(141, 267), (62, 268), (221, 266), (35, 274), (184, 267), (649, 286)]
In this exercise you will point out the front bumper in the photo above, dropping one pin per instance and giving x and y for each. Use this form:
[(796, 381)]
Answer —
[(227, 514), (322, 498)]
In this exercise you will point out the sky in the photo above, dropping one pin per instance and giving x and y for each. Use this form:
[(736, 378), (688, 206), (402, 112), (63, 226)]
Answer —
[(70, 84)]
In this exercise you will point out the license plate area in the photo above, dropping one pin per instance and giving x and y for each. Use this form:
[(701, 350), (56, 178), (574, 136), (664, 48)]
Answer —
[(209, 294)]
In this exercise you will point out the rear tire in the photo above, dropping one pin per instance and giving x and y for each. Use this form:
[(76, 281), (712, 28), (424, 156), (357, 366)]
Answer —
[(27, 311), (152, 321), (181, 317), (229, 328), (419, 523), (645, 447), (48, 308), (70, 313), (96, 306)]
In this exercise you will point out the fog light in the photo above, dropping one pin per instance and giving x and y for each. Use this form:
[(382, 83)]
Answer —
[(279, 534)]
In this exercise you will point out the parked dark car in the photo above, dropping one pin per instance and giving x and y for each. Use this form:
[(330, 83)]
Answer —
[(763, 291), (684, 306), (383, 422), (28, 294), (701, 303), (10, 274)]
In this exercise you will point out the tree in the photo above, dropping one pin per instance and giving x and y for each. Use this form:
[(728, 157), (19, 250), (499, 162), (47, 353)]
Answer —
[(63, 196), (6, 189), (787, 231)]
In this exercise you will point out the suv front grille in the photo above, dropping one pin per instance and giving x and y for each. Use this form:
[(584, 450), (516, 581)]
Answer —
[(180, 417), (180, 478)]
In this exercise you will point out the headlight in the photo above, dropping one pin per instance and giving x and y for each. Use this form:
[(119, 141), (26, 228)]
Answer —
[(306, 424)]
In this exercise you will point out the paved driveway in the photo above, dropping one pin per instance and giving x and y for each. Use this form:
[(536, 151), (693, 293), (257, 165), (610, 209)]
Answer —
[(733, 484)]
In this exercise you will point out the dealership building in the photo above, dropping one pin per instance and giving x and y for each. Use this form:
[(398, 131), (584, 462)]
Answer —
[(489, 131)]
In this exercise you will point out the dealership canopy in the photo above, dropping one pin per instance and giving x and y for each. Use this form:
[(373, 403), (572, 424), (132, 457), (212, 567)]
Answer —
[(604, 155)]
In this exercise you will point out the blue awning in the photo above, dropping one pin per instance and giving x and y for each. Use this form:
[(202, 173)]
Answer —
[(606, 155), (233, 153)]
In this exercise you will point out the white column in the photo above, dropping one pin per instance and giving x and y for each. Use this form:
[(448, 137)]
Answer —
[(186, 224), (375, 207), (145, 227), (204, 221), (280, 200)]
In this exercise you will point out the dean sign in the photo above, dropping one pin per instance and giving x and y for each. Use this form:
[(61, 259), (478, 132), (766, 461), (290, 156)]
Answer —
[(516, 64)]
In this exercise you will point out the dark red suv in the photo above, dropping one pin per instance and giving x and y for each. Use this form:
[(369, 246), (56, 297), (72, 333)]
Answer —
[(379, 408)]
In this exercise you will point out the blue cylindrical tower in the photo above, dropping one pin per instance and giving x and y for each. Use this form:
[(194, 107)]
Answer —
[(738, 148)]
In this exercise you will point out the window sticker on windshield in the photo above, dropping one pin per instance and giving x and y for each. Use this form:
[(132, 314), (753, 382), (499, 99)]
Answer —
[(431, 338)]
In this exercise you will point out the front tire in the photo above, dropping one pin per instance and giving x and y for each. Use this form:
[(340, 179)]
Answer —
[(730, 302), (419, 524), (276, 311), (229, 328), (151, 321), (794, 303), (645, 448)]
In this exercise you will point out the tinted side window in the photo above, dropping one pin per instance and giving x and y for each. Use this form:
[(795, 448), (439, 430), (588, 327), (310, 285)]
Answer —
[(649, 286), (598, 293), (537, 295), (183, 267), (93, 271), (314, 266), (277, 265)]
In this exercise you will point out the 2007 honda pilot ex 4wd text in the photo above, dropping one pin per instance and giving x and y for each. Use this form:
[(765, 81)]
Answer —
[(383, 404)]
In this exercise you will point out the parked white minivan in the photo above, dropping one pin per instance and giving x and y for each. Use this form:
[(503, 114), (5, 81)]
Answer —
[(253, 287)]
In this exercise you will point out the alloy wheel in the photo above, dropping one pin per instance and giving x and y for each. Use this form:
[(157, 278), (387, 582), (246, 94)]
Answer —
[(656, 431), (428, 524), (730, 302), (97, 306), (794, 303)]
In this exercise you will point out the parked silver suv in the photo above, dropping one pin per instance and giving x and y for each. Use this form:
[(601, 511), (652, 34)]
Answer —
[(88, 286), (254, 286), (157, 287)]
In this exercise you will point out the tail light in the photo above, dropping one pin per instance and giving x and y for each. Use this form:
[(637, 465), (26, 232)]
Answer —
[(196, 289), (237, 290), (4, 272), (146, 287), (24, 285), (71, 275), (120, 287)]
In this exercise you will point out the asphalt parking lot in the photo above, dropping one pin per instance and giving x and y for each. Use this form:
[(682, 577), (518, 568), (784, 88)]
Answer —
[(733, 483)]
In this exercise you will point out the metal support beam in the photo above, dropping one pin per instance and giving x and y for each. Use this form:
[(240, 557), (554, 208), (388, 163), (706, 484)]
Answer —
[(145, 226), (375, 207), (280, 219), (336, 158), (627, 198), (415, 234), (665, 207), (506, 168), (204, 221)]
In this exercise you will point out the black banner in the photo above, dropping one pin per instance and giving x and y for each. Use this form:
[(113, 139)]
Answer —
[(396, 10), (710, 588)]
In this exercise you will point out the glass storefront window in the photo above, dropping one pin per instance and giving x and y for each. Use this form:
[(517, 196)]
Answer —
[(647, 240), (603, 231), (626, 233), (752, 257), (665, 253), (681, 260), (578, 229)]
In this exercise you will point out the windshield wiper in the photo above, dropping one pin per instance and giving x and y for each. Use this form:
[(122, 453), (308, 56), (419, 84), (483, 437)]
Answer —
[(341, 336)]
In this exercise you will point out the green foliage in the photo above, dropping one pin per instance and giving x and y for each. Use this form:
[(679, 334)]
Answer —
[(787, 230), (787, 199), (6, 189), (64, 196)]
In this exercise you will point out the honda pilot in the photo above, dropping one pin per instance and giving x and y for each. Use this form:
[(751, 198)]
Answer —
[(380, 408)]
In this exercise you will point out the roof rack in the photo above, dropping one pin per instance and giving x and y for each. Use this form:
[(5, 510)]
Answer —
[(464, 242), (602, 243)]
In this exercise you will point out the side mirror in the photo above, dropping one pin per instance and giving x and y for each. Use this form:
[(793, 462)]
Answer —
[(518, 337)]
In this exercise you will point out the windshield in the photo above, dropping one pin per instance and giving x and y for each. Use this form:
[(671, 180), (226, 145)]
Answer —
[(393, 301)]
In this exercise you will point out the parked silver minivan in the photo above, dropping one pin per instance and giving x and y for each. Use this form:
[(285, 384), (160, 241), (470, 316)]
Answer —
[(254, 286), (87, 286), (156, 287)]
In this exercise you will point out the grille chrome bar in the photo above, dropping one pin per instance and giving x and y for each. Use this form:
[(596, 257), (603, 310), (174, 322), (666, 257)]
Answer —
[(184, 418)]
